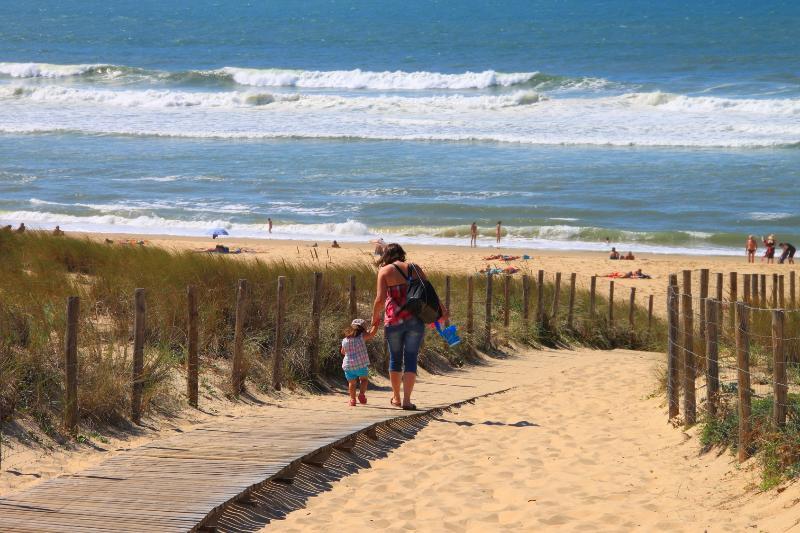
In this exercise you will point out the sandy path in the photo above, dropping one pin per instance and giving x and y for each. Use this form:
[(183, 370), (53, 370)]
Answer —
[(577, 446)]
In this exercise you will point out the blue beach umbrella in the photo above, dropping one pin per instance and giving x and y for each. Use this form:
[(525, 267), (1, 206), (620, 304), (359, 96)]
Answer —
[(216, 232)]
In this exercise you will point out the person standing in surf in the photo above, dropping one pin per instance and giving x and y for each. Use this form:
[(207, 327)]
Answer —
[(269, 225), (403, 331), (499, 230), (473, 235)]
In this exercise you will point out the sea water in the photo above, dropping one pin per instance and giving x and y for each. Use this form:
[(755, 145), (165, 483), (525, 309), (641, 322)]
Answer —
[(666, 127)]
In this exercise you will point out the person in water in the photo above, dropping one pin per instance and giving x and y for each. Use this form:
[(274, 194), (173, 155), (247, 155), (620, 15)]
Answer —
[(499, 230), (751, 248), (473, 235), (269, 225), (788, 253)]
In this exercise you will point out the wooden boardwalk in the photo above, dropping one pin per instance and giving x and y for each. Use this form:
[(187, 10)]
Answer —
[(174, 483)]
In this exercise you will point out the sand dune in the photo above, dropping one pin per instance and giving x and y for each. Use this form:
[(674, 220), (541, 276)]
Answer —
[(579, 445)]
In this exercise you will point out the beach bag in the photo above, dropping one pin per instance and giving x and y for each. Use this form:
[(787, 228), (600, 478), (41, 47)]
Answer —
[(421, 300)]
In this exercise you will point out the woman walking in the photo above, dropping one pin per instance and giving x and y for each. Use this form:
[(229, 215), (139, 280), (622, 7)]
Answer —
[(403, 331)]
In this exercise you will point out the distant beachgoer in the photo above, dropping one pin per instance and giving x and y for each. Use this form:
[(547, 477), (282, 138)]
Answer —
[(769, 253), (403, 331), (608, 241), (473, 235), (21, 228), (356, 358), (7, 228), (269, 225), (58, 232), (335, 244), (630, 256), (614, 254), (499, 231), (788, 253), (751, 248), (380, 245)]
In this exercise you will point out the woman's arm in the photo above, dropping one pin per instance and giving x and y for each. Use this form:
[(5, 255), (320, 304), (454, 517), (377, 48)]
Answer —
[(377, 307)]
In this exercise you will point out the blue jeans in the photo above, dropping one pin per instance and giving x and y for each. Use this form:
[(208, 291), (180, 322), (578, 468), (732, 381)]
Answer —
[(404, 341)]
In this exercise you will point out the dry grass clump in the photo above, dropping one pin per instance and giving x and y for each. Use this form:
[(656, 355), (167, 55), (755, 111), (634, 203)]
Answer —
[(39, 271)]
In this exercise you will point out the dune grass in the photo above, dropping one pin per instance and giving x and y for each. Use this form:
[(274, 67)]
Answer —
[(39, 271)]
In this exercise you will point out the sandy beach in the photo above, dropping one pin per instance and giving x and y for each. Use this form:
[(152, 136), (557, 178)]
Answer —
[(462, 259), (578, 445)]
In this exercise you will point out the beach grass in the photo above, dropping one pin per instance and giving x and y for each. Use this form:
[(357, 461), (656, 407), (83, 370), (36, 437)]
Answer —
[(39, 271)]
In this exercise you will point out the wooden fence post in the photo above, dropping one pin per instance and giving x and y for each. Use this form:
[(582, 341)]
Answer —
[(138, 355), (506, 299), (719, 296), (470, 298), (316, 316), (687, 282), (556, 298), (747, 296), (277, 369), (781, 293), (774, 292), (689, 371), (792, 293), (712, 353), (743, 380), (191, 346), (353, 297), (732, 297), (71, 366), (487, 332), (673, 351), (571, 304), (447, 298), (540, 297), (592, 296), (754, 293), (237, 377), (611, 303), (780, 380), (526, 296), (763, 299), (650, 312), (704, 278), (632, 308)]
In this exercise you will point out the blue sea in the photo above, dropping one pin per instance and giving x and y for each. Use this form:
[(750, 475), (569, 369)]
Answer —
[(668, 126)]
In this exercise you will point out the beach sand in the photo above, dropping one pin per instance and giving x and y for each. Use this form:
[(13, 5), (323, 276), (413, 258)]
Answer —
[(462, 259), (581, 444)]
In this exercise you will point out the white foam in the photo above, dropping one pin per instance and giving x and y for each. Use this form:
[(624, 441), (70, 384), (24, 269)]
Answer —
[(756, 215), (362, 79), (646, 119), (44, 70), (548, 237)]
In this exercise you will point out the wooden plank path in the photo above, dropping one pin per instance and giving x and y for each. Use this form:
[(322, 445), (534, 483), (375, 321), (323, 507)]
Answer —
[(172, 484)]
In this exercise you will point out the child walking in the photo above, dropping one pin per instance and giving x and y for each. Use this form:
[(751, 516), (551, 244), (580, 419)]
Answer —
[(356, 359)]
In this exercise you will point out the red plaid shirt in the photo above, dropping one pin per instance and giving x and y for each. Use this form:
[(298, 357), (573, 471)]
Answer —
[(355, 353)]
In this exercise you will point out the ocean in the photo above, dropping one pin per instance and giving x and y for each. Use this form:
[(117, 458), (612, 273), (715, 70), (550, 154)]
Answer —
[(666, 127)]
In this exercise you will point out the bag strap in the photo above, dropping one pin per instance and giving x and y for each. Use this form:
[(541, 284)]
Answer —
[(405, 277)]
